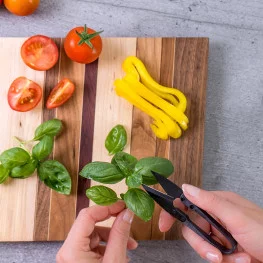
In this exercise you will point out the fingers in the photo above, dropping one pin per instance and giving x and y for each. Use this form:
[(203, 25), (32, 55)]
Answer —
[(225, 210), (85, 223), (104, 233), (101, 250), (237, 258), (166, 220), (117, 243), (204, 249), (236, 199)]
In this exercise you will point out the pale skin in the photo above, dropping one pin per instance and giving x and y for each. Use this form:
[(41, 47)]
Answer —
[(243, 219), (83, 242)]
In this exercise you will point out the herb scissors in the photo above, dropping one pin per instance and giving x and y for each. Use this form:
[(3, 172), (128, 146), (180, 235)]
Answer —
[(166, 202)]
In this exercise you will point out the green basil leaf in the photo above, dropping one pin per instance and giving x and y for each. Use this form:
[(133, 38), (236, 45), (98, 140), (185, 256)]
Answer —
[(102, 172), (25, 170), (14, 157), (157, 164), (49, 128), (101, 195), (55, 175), (116, 139), (134, 180), (140, 203), (4, 173), (125, 162), (122, 196), (44, 148)]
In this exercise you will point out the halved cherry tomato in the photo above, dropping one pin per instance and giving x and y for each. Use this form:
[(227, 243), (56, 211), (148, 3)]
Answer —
[(60, 94), (39, 52), (83, 44), (24, 94), (21, 7)]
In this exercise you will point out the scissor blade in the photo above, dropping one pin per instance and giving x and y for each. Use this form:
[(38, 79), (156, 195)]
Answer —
[(169, 187), (165, 201)]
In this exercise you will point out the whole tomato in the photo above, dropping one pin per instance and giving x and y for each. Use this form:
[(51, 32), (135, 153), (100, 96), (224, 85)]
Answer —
[(83, 44), (21, 7)]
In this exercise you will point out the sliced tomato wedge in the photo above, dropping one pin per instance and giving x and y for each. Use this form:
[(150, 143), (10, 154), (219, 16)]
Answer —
[(24, 94), (39, 52), (60, 94)]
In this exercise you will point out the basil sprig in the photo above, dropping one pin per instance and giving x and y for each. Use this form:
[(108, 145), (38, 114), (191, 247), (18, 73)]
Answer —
[(19, 163), (125, 166)]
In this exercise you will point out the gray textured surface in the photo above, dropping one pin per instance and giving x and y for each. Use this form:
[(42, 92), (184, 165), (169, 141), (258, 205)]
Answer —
[(233, 158)]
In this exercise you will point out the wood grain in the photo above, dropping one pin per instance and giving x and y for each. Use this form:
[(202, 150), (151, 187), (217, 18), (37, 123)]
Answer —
[(34, 212), (17, 197), (87, 130), (143, 142), (163, 146), (66, 150), (190, 75), (43, 193), (111, 109)]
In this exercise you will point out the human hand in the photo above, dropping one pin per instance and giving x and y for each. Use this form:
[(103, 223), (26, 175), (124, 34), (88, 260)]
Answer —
[(83, 242), (243, 219)]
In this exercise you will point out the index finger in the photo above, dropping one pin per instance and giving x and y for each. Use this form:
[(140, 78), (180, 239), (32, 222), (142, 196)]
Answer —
[(166, 220), (88, 217)]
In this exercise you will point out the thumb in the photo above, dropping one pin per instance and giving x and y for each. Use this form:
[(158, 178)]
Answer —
[(217, 205), (117, 244)]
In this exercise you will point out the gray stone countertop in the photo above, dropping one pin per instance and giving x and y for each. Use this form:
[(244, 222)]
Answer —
[(233, 154)]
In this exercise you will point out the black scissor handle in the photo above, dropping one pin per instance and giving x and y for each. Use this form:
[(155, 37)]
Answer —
[(211, 221)]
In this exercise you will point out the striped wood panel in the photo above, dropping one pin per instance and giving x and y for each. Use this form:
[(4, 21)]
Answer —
[(30, 210)]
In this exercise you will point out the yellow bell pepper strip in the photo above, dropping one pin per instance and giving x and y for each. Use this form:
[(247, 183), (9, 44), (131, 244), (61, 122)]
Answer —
[(132, 65), (163, 126), (165, 105), (148, 95)]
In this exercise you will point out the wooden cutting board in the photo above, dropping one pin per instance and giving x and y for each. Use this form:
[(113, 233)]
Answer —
[(31, 211)]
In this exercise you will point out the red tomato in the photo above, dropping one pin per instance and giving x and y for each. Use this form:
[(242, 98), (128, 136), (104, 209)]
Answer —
[(83, 44), (24, 94), (39, 52), (21, 7), (60, 94)]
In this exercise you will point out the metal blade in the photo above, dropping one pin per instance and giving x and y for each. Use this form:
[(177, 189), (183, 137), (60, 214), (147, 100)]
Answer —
[(169, 187), (165, 201)]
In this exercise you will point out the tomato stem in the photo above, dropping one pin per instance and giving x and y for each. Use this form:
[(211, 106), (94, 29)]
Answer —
[(85, 37)]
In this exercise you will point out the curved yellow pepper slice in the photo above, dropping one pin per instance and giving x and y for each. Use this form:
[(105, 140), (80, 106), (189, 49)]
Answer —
[(132, 65), (165, 105)]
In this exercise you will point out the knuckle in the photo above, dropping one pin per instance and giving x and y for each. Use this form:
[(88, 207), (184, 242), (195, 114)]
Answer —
[(83, 212), (64, 257), (121, 233), (213, 199), (231, 195)]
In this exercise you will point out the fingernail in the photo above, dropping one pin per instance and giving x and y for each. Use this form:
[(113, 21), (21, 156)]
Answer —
[(128, 216), (212, 257), (191, 190), (242, 260)]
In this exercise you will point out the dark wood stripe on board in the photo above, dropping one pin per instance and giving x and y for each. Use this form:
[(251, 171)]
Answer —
[(43, 192), (190, 75), (87, 130), (62, 207), (143, 140)]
